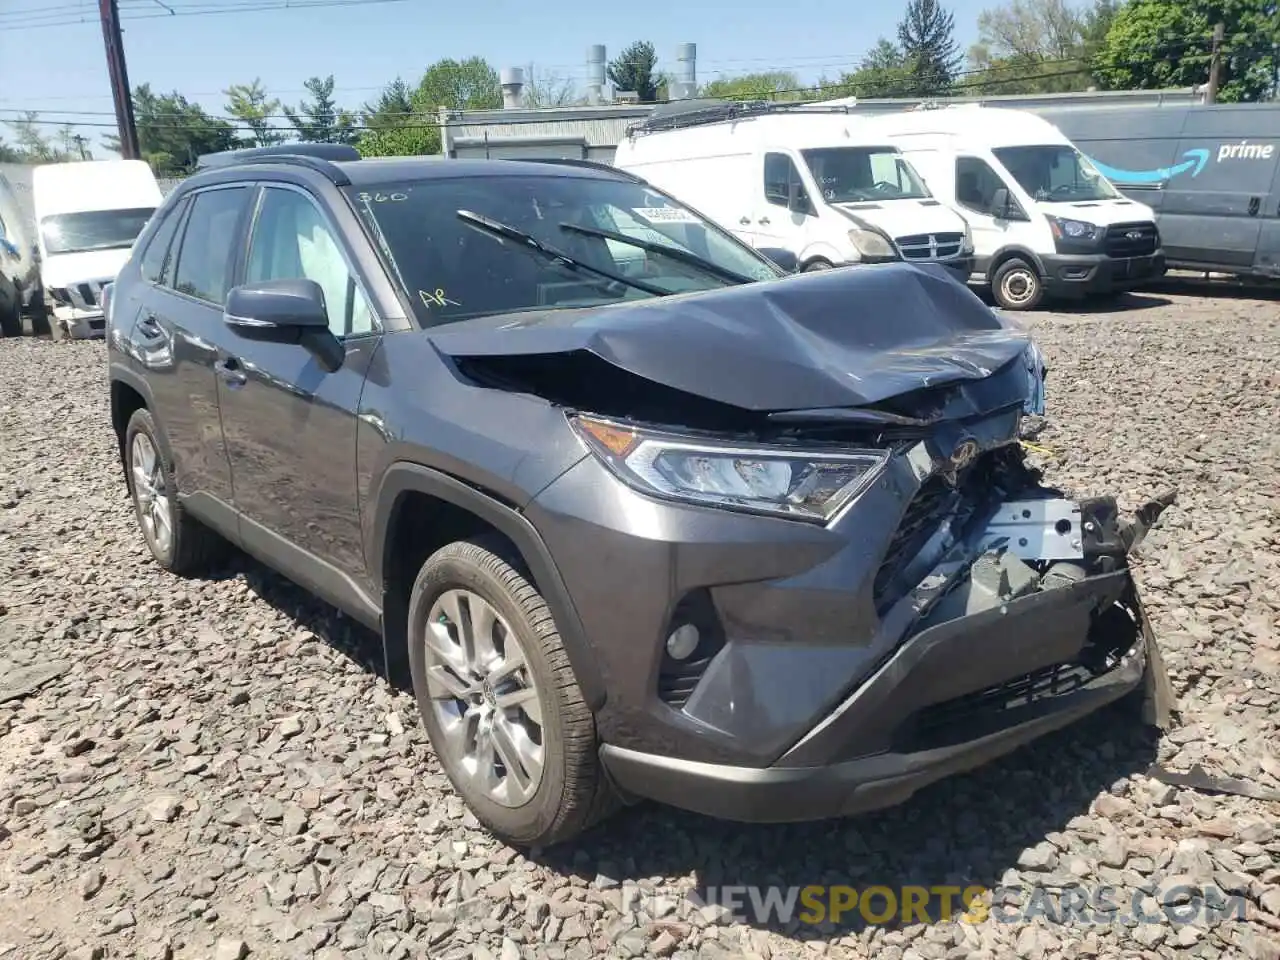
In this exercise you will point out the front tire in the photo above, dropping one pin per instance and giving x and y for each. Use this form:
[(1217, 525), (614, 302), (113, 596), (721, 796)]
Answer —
[(179, 542), (499, 700), (10, 309), (1016, 285)]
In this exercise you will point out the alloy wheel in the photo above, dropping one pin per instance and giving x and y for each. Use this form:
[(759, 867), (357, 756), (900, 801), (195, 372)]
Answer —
[(151, 493), (484, 697)]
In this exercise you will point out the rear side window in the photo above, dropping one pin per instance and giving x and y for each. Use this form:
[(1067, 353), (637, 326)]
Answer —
[(209, 243), (159, 252)]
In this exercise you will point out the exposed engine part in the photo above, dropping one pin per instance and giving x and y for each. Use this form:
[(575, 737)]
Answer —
[(994, 579), (1062, 574)]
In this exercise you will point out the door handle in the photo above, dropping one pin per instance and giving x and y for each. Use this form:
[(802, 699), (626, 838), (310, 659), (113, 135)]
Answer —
[(149, 327), (744, 221), (1254, 204), (230, 371), (764, 221)]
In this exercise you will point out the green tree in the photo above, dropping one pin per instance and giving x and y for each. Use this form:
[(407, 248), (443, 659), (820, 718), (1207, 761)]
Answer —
[(773, 85), (173, 132), (1167, 43), (886, 71), (636, 69), (320, 120), (1037, 46), (405, 121), (249, 103), (470, 84), (394, 126), (9, 154), (34, 146), (926, 38)]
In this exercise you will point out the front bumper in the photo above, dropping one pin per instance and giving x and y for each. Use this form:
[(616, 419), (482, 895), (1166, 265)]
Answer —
[(939, 706), (80, 323), (1077, 275)]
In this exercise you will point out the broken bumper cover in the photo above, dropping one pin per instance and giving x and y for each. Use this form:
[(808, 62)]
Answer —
[(951, 698)]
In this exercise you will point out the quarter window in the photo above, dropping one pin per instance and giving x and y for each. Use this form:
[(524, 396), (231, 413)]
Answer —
[(204, 259), (160, 251), (292, 240)]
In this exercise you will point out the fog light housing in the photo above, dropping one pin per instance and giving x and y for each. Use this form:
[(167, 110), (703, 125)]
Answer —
[(683, 642)]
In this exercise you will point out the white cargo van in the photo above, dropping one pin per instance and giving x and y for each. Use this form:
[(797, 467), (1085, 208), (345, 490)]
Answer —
[(1044, 220), (811, 186), (88, 214)]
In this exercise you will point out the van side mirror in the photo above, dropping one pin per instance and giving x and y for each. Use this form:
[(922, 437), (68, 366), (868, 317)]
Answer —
[(797, 199), (1000, 204)]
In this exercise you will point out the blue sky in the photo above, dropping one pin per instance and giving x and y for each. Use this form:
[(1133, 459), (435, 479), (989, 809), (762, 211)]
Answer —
[(61, 71)]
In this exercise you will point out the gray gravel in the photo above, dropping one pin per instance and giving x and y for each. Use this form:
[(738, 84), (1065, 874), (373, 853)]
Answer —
[(216, 772)]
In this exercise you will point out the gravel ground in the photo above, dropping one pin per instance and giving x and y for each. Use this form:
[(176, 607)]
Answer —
[(219, 773)]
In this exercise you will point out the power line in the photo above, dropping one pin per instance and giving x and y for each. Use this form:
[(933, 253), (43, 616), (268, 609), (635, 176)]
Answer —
[(34, 20)]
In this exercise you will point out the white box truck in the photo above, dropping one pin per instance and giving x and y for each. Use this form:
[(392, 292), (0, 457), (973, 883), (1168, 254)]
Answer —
[(88, 214), (812, 187), (1044, 220)]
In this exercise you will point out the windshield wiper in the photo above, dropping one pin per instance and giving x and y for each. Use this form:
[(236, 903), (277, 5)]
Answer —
[(532, 245), (692, 259)]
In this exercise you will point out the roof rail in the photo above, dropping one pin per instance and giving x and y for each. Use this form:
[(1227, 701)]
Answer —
[(320, 157), (575, 162), (693, 113)]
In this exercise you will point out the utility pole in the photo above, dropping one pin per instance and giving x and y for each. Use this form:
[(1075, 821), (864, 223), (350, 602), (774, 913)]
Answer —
[(120, 93), (1215, 64)]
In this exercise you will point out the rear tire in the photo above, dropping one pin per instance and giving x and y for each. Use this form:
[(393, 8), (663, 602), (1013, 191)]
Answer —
[(179, 542), (571, 792), (10, 309), (40, 324), (1016, 285)]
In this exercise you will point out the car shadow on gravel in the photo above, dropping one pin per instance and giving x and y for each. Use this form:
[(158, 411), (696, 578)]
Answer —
[(966, 831)]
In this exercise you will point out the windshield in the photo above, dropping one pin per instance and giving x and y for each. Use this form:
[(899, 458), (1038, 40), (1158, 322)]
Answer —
[(854, 174), (93, 229), (453, 269), (1057, 173)]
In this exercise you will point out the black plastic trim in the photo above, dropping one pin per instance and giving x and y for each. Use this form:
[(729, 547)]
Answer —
[(404, 477)]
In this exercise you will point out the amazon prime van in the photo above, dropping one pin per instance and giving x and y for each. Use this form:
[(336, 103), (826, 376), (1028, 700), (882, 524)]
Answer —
[(808, 186), (1044, 220), (1210, 172)]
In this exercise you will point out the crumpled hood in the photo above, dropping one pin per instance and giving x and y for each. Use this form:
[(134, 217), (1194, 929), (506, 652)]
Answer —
[(904, 218), (836, 338)]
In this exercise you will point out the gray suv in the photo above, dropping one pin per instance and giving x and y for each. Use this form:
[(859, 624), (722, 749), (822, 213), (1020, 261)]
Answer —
[(639, 515)]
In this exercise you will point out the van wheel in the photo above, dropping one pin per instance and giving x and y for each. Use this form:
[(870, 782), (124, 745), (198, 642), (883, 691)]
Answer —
[(40, 325), (499, 700), (813, 265), (10, 316), (1016, 285)]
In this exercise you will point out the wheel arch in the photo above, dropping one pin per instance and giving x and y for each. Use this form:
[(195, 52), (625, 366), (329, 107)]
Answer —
[(415, 509), (1005, 254)]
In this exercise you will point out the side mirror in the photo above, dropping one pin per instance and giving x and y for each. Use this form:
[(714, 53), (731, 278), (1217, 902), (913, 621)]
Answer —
[(285, 311), (797, 200), (1000, 203)]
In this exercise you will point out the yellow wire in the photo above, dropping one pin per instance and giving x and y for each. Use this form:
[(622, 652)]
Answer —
[(1036, 448)]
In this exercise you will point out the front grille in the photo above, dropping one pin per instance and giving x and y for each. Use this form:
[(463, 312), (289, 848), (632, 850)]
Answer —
[(930, 246), (973, 714), (922, 518), (1131, 240)]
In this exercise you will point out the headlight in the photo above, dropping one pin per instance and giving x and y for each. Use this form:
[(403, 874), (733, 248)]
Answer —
[(871, 244), (800, 484), (1074, 229)]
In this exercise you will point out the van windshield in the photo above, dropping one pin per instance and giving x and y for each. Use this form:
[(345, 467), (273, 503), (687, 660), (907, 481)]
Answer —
[(1058, 173), (855, 174), (455, 244), (93, 229)]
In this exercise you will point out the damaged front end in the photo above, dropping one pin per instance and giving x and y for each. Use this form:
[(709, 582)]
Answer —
[(780, 647)]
